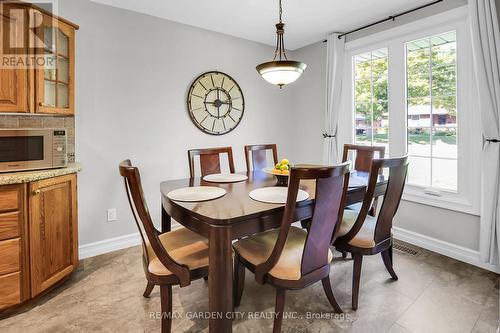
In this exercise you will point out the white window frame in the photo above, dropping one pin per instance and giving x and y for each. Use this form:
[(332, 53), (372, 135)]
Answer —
[(466, 199)]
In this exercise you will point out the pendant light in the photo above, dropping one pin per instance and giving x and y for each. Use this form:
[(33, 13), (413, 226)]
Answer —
[(281, 71)]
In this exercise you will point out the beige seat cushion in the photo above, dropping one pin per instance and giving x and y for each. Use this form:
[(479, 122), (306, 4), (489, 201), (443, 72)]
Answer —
[(366, 235), (257, 249), (184, 246)]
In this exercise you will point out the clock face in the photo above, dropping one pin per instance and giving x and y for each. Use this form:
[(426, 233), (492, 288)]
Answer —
[(215, 103)]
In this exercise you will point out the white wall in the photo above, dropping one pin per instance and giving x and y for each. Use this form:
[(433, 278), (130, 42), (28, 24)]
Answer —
[(309, 97), (309, 104), (132, 76)]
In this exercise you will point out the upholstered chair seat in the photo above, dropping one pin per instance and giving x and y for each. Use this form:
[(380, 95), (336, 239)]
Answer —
[(184, 246), (365, 238), (257, 249), (290, 258)]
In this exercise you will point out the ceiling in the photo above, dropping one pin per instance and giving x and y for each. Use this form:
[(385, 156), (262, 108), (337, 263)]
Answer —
[(306, 21)]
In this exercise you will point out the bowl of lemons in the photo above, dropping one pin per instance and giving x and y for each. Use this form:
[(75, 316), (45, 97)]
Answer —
[(281, 171)]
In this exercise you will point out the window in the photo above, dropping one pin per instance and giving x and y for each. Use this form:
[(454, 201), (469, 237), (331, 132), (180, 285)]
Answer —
[(431, 95), (413, 91), (370, 98)]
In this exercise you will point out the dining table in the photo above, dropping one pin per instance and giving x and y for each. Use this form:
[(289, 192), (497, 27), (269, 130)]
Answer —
[(231, 217)]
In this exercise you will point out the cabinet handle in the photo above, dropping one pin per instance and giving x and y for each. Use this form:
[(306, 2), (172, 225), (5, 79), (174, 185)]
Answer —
[(35, 192), (44, 104)]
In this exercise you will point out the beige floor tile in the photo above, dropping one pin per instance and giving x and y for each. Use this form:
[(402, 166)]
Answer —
[(105, 295), (489, 319), (440, 310), (398, 329)]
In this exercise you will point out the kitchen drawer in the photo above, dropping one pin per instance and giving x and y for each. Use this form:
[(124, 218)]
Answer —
[(9, 225), (10, 290), (10, 198), (10, 251)]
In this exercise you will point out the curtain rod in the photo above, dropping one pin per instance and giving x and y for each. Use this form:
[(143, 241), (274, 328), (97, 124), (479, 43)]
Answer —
[(390, 18)]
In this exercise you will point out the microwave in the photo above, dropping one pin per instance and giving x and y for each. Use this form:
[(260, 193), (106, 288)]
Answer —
[(32, 149)]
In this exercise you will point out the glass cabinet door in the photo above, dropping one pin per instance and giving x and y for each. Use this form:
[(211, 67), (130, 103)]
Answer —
[(55, 82)]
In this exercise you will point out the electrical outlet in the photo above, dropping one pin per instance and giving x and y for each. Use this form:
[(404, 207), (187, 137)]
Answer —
[(112, 214)]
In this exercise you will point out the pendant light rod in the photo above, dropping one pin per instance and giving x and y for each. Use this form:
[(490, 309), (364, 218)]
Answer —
[(280, 51), (280, 11)]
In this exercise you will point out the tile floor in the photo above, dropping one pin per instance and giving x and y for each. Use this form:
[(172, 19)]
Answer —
[(433, 294)]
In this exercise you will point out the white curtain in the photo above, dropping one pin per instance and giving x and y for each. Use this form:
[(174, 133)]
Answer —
[(486, 52), (334, 75)]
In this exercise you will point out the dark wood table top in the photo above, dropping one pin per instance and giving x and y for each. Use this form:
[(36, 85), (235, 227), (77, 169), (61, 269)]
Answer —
[(236, 205)]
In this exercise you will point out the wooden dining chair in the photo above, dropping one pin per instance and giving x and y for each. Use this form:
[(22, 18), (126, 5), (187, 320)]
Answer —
[(209, 160), (362, 234), (364, 155), (362, 162), (289, 257), (258, 155), (172, 258)]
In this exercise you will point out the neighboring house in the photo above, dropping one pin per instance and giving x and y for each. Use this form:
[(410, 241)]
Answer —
[(420, 116)]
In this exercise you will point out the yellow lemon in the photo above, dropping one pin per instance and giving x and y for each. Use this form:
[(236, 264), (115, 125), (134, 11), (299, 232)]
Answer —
[(285, 161)]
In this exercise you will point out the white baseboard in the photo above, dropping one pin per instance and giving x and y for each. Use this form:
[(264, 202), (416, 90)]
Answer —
[(113, 244), (448, 249), (108, 245)]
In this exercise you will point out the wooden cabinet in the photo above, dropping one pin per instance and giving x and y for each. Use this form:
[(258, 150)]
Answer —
[(10, 290), (52, 231), (14, 77), (55, 77), (14, 259), (44, 84), (38, 237)]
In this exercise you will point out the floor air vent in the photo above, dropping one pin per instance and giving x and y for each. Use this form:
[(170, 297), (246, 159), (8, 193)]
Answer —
[(402, 247)]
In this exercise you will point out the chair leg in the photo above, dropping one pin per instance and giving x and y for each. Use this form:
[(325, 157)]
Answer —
[(356, 275), (239, 280), (148, 290), (327, 287), (166, 308), (278, 310), (387, 258), (306, 224)]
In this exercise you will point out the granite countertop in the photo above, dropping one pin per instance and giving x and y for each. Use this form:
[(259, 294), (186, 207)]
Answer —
[(34, 175)]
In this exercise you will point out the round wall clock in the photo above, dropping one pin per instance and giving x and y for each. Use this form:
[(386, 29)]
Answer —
[(215, 103)]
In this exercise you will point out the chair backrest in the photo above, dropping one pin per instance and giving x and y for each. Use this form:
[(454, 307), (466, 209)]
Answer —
[(364, 155), (330, 198), (209, 160), (259, 155), (147, 230), (398, 168)]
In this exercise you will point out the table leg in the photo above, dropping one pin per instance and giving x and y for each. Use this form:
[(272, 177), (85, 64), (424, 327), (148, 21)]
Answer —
[(220, 280), (165, 220)]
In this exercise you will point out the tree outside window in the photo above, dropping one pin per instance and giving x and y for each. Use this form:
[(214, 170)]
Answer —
[(370, 98)]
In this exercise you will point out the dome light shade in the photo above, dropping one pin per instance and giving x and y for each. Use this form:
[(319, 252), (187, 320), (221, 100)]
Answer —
[(281, 72)]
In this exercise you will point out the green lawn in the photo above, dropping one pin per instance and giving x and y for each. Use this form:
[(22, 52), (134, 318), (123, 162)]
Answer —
[(422, 139)]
